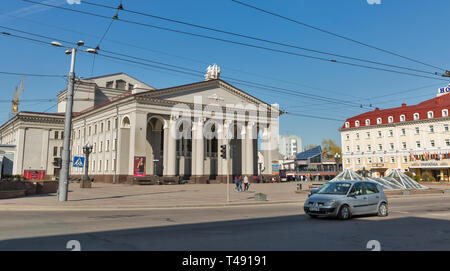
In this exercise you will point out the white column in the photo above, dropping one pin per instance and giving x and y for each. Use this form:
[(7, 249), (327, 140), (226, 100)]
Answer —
[(171, 148), (18, 157), (194, 150), (166, 148), (200, 148), (244, 153), (249, 149), (267, 151)]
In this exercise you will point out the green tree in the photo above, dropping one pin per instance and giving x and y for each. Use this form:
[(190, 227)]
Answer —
[(330, 148)]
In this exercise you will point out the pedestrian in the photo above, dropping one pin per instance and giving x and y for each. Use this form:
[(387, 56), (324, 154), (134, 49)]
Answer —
[(240, 184), (236, 182), (245, 183)]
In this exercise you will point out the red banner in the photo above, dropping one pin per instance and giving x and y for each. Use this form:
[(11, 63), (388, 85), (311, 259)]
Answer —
[(34, 175)]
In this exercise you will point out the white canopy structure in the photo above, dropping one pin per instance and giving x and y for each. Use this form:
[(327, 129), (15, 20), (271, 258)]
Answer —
[(395, 180)]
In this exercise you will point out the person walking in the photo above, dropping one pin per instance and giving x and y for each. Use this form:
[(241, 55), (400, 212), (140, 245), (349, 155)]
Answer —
[(236, 182), (240, 184), (245, 183)]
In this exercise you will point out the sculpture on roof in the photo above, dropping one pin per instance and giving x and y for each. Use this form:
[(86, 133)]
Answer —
[(212, 72)]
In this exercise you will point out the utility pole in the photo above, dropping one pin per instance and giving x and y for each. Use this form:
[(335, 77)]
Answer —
[(64, 174)]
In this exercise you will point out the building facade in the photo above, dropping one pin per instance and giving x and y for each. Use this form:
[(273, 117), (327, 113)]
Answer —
[(289, 145), (138, 132), (412, 138)]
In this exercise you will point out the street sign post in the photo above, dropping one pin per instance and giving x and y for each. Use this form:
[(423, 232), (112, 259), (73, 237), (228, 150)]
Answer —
[(78, 162)]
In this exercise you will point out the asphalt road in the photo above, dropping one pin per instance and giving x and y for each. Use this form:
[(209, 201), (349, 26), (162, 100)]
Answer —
[(414, 223)]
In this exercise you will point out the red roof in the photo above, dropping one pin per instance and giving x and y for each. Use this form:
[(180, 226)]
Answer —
[(436, 105)]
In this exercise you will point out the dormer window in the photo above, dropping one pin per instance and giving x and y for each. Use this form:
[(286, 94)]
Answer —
[(120, 84), (357, 123), (445, 113), (430, 114), (379, 121), (416, 116), (402, 118), (110, 84), (367, 122), (347, 125), (391, 119)]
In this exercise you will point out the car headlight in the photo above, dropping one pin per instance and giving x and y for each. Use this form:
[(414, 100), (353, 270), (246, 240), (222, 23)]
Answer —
[(330, 202)]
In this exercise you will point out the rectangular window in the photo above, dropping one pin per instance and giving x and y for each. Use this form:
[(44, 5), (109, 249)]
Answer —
[(417, 131), (381, 159), (432, 143), (99, 165), (405, 159), (447, 142), (379, 133), (391, 145), (357, 135), (445, 127), (391, 133), (107, 145), (358, 161), (55, 151), (368, 135), (431, 129), (392, 159), (369, 148), (101, 147), (403, 131), (404, 145), (347, 136), (357, 148), (418, 144), (56, 135), (380, 147), (106, 165), (369, 160)]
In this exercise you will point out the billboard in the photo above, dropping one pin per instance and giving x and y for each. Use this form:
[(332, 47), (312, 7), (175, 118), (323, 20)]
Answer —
[(139, 166)]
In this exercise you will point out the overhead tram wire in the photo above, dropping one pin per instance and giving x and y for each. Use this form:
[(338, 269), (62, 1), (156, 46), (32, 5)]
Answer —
[(104, 34), (196, 73), (257, 39), (336, 35), (241, 43), (32, 74)]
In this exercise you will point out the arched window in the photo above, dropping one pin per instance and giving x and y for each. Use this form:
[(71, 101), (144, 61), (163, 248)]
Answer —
[(347, 124), (402, 118), (445, 113), (391, 119), (357, 123), (379, 121), (430, 114), (367, 122), (125, 122), (416, 116)]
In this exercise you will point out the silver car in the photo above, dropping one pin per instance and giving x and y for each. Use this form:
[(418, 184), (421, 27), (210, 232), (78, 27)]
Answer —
[(344, 199)]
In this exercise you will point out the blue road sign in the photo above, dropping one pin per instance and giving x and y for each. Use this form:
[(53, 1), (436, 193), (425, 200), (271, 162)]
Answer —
[(78, 161)]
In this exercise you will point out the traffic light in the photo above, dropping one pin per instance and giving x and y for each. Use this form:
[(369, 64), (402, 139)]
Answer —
[(57, 162), (223, 151)]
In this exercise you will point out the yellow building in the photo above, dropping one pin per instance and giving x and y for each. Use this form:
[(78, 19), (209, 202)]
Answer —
[(410, 138)]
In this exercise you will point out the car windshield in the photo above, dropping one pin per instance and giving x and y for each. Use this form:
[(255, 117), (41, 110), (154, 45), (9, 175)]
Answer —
[(334, 188)]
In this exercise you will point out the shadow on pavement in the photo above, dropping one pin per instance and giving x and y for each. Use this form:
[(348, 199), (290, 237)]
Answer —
[(295, 232)]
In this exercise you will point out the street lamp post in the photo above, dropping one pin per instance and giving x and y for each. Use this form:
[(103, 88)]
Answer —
[(337, 158), (87, 149), (64, 173)]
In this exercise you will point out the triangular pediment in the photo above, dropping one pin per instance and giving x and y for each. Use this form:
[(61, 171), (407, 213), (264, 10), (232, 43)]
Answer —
[(216, 92)]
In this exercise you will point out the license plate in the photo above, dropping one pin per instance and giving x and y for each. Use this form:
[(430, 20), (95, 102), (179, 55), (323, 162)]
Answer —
[(314, 208)]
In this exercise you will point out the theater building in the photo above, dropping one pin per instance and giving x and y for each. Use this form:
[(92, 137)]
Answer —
[(138, 132), (412, 138)]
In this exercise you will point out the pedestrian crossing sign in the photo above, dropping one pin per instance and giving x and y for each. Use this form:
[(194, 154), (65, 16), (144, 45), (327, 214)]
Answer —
[(78, 162)]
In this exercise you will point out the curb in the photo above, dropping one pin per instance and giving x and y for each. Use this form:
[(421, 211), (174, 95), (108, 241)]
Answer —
[(118, 208)]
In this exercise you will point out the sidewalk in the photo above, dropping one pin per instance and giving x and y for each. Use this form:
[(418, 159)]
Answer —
[(121, 196)]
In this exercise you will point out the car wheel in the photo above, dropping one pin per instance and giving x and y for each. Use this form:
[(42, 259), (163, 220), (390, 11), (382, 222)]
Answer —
[(344, 213), (383, 210)]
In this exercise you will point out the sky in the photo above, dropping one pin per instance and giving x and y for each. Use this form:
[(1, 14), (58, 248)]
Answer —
[(413, 28)]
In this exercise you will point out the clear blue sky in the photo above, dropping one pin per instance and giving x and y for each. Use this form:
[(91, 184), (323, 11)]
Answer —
[(414, 28)]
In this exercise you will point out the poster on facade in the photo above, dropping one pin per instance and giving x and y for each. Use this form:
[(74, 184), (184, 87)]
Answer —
[(139, 166), (275, 169)]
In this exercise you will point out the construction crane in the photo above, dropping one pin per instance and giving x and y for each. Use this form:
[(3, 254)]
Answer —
[(17, 95)]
